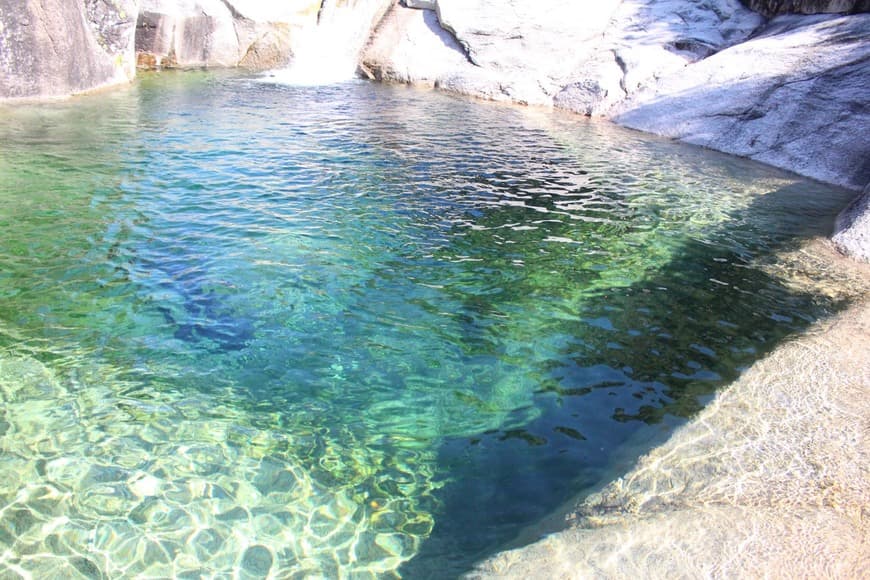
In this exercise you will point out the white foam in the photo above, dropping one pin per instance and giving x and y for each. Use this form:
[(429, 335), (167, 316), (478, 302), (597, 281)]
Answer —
[(328, 53)]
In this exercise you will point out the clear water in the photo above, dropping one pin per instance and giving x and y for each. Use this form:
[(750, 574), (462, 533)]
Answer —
[(354, 330)]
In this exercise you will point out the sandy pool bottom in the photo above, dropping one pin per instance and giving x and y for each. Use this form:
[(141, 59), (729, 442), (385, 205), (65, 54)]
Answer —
[(770, 480)]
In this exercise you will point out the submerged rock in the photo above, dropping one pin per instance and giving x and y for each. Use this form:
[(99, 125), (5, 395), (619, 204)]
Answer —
[(53, 48), (769, 479)]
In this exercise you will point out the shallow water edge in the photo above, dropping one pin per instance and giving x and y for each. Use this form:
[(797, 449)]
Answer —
[(771, 476)]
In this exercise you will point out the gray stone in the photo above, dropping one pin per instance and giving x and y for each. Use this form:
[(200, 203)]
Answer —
[(421, 4), (53, 48), (211, 33), (585, 57), (257, 561), (852, 230), (775, 7), (794, 97), (411, 47)]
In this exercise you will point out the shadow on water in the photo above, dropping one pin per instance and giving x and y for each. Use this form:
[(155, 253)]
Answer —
[(631, 362)]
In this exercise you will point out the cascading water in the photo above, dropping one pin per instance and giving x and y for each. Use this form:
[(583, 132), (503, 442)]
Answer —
[(328, 51)]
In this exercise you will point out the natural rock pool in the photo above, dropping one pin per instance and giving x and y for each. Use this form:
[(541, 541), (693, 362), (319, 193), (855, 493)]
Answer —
[(355, 330)]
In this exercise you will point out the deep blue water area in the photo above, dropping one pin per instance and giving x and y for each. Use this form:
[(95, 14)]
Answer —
[(355, 330)]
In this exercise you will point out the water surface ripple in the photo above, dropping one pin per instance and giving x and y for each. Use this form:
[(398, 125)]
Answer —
[(354, 330)]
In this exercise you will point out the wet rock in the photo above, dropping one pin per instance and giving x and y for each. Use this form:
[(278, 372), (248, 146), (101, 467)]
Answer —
[(767, 480), (52, 48)]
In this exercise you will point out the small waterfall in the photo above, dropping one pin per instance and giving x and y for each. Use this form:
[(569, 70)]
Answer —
[(328, 51)]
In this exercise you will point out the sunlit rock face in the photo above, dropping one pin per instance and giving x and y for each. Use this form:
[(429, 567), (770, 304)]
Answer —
[(795, 96), (53, 48), (329, 49), (774, 7), (579, 56), (255, 34), (197, 33)]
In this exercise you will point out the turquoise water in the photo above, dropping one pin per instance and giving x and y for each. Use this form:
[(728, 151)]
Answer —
[(355, 330)]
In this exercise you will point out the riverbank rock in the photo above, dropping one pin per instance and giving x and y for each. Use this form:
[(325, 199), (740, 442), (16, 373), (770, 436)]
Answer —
[(254, 34), (214, 33), (852, 231), (53, 48), (794, 96), (585, 57)]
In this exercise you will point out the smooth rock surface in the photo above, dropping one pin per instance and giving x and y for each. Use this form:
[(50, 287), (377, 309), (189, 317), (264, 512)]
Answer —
[(214, 33), (794, 97), (421, 4), (585, 57), (411, 47), (852, 231), (54, 48)]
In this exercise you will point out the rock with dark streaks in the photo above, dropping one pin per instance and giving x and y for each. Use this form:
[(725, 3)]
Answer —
[(775, 7), (53, 48)]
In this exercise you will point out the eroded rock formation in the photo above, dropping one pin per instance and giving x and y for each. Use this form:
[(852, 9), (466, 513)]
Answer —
[(579, 56), (254, 34), (794, 96)]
